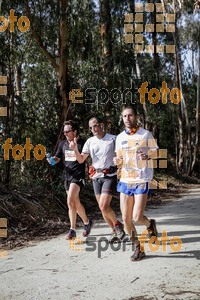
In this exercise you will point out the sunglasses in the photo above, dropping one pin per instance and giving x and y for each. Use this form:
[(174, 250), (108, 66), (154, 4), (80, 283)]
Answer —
[(67, 131), (94, 126)]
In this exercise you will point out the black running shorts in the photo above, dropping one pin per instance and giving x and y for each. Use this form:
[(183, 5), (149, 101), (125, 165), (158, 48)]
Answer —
[(105, 185), (79, 182)]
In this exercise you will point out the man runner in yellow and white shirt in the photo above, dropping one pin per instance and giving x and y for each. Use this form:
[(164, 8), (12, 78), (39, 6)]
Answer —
[(135, 173)]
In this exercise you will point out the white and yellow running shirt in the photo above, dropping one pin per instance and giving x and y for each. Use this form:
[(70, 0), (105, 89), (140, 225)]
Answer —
[(133, 169)]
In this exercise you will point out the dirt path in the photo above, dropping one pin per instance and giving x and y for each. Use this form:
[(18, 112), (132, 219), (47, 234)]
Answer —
[(52, 270)]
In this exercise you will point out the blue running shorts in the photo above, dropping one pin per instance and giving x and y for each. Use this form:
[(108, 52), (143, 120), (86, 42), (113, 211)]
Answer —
[(132, 189)]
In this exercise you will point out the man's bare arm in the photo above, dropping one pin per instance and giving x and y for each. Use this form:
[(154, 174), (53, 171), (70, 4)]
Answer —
[(81, 157)]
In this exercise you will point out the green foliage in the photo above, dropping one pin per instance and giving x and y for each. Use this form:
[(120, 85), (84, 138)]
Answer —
[(36, 112)]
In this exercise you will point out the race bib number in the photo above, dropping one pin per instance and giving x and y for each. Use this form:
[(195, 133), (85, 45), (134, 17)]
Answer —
[(69, 155)]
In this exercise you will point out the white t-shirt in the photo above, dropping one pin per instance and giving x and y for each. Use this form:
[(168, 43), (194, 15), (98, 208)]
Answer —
[(135, 170), (102, 151)]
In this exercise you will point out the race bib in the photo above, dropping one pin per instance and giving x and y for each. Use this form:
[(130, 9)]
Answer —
[(69, 155)]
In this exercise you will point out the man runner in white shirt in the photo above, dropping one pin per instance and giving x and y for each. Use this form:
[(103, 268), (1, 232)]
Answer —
[(132, 148), (101, 148)]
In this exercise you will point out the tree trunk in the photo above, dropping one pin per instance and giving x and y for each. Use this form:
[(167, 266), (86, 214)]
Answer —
[(106, 48), (180, 118), (10, 111), (196, 145), (61, 68), (145, 115), (184, 159), (156, 59), (18, 73), (18, 97), (188, 153), (63, 75)]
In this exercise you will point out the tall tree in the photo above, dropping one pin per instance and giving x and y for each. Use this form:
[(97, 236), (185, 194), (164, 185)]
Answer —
[(59, 59), (106, 46)]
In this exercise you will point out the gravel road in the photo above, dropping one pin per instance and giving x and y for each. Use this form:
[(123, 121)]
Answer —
[(57, 270)]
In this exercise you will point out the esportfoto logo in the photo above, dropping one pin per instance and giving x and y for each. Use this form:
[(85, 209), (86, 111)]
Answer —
[(102, 244)]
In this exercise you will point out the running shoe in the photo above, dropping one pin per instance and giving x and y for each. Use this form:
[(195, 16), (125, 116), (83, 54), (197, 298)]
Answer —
[(87, 228), (113, 237), (71, 234), (138, 254), (152, 230), (119, 229)]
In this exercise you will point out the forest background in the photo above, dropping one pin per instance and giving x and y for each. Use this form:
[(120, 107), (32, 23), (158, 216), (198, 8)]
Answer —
[(80, 44)]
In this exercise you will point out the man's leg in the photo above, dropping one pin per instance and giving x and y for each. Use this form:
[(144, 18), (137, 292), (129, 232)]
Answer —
[(127, 204), (103, 188), (104, 205), (72, 195), (110, 217), (75, 206), (107, 189), (71, 211), (140, 218), (138, 210), (103, 199), (79, 206)]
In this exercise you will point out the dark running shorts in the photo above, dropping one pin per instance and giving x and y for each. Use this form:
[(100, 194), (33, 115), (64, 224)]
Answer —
[(105, 185), (79, 182)]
